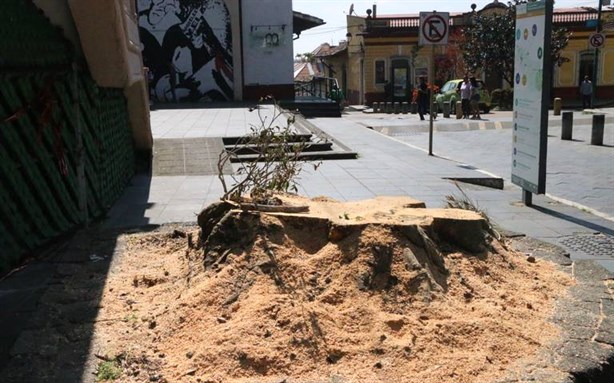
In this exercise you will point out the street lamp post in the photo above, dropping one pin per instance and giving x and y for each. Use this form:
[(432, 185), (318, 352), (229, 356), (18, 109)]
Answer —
[(596, 57)]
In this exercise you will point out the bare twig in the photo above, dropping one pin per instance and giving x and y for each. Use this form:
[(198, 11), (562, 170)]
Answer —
[(278, 164)]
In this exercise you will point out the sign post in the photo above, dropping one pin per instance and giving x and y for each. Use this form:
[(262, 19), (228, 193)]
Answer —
[(532, 76), (434, 30), (597, 40)]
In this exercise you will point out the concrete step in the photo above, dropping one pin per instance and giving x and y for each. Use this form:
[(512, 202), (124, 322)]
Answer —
[(314, 109), (305, 156), (241, 140), (252, 149)]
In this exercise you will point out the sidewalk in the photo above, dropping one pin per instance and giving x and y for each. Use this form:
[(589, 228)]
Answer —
[(580, 175), (552, 219)]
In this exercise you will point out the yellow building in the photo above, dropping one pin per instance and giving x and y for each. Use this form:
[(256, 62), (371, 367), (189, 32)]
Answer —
[(383, 49)]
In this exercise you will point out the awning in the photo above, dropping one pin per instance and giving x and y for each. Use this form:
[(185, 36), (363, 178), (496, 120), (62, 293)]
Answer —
[(302, 22)]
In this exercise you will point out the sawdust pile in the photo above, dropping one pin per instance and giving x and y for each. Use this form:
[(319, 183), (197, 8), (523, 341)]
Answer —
[(376, 291)]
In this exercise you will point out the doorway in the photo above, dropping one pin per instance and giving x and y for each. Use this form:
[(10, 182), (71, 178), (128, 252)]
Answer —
[(586, 66), (400, 79)]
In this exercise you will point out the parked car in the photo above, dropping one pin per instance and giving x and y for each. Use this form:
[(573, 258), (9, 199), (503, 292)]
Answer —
[(450, 92)]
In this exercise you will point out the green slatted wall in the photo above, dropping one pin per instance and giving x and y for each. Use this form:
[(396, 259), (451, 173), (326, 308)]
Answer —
[(39, 184)]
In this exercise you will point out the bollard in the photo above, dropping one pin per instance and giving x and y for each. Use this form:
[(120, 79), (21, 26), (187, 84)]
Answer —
[(557, 106), (405, 107), (389, 107), (459, 110), (567, 126), (446, 109), (375, 107), (597, 132), (397, 107)]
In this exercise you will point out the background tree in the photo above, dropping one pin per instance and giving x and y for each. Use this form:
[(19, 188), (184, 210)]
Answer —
[(305, 57), (450, 64), (489, 42)]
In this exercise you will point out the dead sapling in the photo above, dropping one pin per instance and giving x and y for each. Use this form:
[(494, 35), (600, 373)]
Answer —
[(275, 164)]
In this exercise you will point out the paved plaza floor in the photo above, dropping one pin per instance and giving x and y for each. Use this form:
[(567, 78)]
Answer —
[(578, 207)]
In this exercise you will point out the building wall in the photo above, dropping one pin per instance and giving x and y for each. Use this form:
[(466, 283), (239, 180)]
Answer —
[(188, 48), (66, 151), (567, 77), (388, 45), (393, 52), (108, 40), (267, 47), (356, 51), (338, 63)]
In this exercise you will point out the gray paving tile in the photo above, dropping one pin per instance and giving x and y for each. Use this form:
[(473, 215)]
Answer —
[(607, 264), (389, 166)]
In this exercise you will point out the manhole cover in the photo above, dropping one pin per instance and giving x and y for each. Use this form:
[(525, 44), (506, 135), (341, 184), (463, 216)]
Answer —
[(598, 245)]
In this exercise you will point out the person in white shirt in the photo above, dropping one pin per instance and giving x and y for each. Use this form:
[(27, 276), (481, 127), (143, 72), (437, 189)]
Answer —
[(465, 93)]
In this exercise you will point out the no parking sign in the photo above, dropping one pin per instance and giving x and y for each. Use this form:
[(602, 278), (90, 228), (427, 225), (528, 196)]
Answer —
[(597, 40), (434, 28)]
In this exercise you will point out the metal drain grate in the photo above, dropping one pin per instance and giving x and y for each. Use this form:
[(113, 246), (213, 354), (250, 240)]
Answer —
[(598, 245)]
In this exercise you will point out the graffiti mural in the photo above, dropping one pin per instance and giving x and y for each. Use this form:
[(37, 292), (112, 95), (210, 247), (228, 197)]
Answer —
[(187, 46)]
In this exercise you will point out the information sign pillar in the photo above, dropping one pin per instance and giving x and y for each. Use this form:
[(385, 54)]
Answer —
[(532, 75)]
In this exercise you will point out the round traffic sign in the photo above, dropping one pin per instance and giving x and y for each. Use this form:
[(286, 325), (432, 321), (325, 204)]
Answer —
[(434, 28), (596, 40)]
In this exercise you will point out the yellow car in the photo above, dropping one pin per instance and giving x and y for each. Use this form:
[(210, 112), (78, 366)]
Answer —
[(450, 92)]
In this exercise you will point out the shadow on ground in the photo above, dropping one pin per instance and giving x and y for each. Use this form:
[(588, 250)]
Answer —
[(49, 307), (589, 225)]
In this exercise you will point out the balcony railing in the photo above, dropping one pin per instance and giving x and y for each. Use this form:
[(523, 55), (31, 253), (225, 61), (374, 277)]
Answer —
[(401, 22), (413, 22), (318, 89), (573, 17)]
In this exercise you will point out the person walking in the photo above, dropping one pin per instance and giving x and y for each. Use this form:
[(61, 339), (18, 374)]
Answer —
[(475, 99), (586, 91), (423, 97), (465, 93)]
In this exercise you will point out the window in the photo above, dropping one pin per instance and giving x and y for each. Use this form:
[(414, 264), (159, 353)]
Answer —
[(450, 85), (380, 71)]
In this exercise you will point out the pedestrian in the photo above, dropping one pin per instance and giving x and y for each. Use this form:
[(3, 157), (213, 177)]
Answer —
[(474, 101), (465, 93), (586, 90), (423, 97)]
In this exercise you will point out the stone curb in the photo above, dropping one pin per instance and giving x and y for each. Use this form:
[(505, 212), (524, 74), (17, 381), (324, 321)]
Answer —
[(585, 350)]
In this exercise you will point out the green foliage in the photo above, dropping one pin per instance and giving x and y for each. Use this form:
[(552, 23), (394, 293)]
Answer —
[(306, 57), (276, 167), (108, 370), (502, 98), (489, 42), (450, 65), (132, 317)]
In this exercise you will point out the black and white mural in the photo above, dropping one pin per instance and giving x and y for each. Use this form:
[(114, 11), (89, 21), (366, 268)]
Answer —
[(187, 46)]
